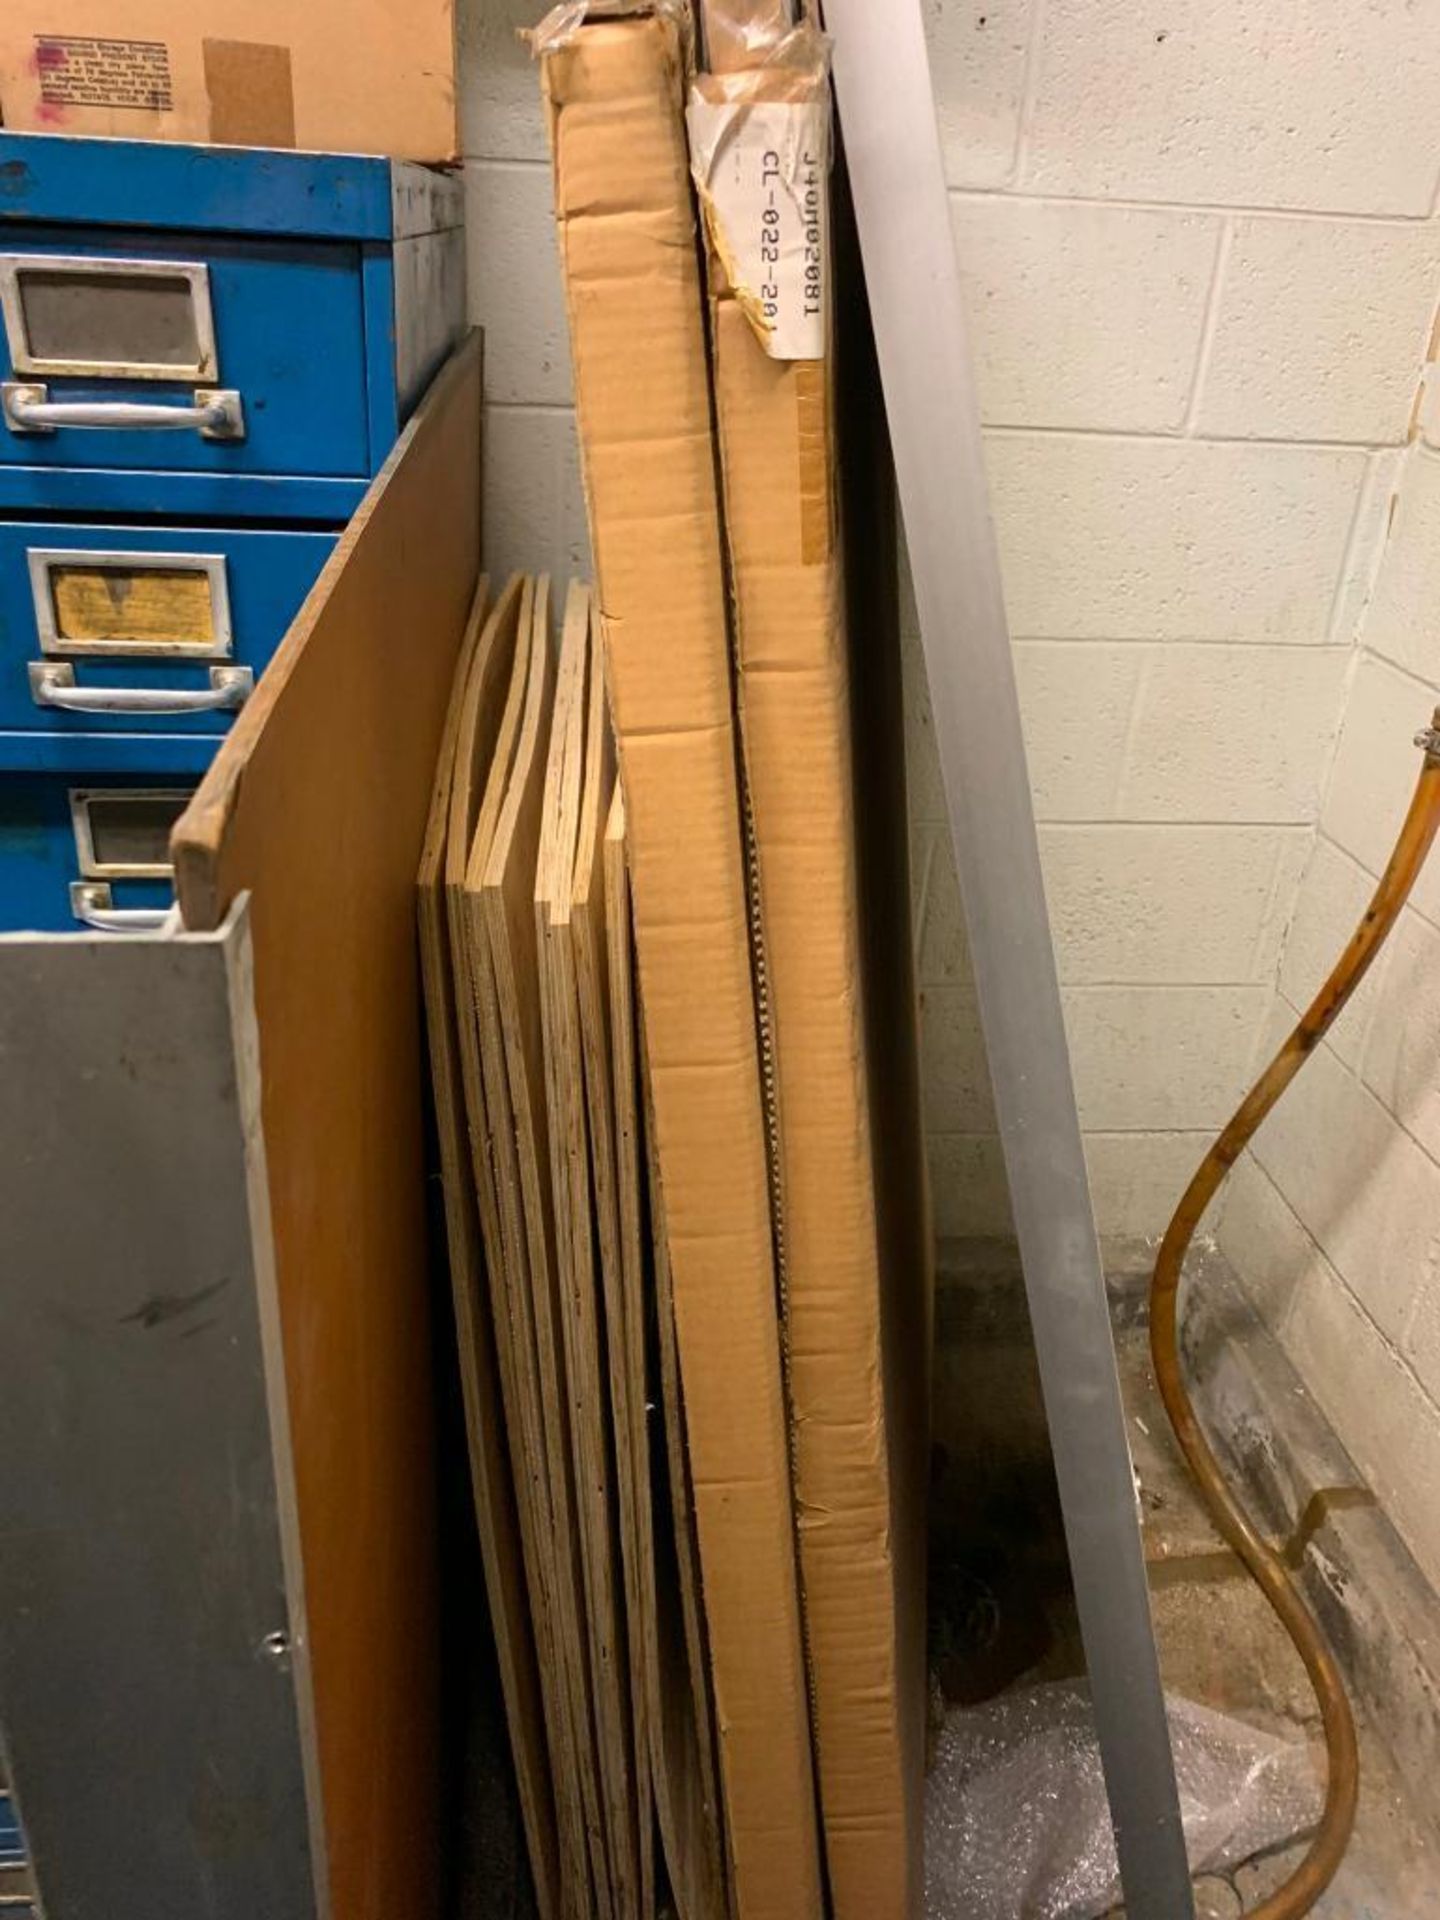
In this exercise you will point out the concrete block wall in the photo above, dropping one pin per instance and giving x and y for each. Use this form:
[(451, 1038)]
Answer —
[(1203, 255), (534, 506), (1203, 272), (1333, 1220)]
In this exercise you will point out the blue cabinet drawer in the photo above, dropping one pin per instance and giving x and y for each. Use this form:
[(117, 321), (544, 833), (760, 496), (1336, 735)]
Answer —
[(143, 629), (76, 851), (248, 355), (12, 1847), (17, 1892)]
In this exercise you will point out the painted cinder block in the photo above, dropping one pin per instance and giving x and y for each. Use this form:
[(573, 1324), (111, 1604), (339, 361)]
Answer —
[(944, 956), (1063, 304), (1369, 1195), (1076, 700), (1151, 905), (1233, 733), (968, 1190), (1142, 905), (1403, 621), (1379, 1409), (500, 116), (954, 1069), (1328, 907), (1421, 1346), (978, 51), (515, 290), (1368, 535), (1266, 1242), (1174, 731), (534, 504), (1137, 1178), (925, 789), (1169, 540), (1376, 767), (1401, 1063), (1161, 1059), (1321, 329), (1326, 107), (922, 854)]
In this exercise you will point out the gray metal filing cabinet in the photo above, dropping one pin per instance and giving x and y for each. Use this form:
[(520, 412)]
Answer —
[(205, 355)]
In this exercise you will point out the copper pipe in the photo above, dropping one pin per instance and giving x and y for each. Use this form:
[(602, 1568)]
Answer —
[(1315, 1872)]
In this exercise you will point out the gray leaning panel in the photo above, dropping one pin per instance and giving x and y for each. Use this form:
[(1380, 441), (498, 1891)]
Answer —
[(150, 1718), (887, 116)]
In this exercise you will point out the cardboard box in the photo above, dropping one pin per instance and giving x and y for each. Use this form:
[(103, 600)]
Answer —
[(373, 77), (856, 1277), (629, 254), (741, 33)]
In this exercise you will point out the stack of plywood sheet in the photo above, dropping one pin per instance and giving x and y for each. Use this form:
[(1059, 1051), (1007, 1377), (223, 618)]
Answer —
[(768, 866), (558, 1270)]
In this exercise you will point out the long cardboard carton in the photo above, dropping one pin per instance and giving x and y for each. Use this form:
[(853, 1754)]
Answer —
[(628, 249), (856, 1331), (680, 1725)]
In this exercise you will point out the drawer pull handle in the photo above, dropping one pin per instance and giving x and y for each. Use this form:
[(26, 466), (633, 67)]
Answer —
[(52, 684), (90, 902), (216, 415)]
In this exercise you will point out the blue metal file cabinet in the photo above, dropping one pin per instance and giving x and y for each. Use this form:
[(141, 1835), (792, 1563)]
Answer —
[(206, 353), (16, 1885)]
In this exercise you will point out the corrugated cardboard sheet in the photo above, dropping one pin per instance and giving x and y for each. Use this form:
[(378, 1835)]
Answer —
[(857, 1364), (628, 248), (368, 77)]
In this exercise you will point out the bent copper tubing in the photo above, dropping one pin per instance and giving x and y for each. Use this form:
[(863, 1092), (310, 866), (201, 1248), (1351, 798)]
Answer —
[(1315, 1872)]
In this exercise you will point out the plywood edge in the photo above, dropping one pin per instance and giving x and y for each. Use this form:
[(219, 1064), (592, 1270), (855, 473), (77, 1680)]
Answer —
[(234, 931), (569, 1173), (490, 1479), (200, 831), (508, 907), (593, 1092), (512, 1289)]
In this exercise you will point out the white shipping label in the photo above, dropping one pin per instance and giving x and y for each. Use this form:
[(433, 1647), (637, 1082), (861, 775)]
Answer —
[(762, 168)]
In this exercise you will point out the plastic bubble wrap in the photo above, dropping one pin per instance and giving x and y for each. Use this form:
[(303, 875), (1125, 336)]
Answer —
[(1017, 1825)]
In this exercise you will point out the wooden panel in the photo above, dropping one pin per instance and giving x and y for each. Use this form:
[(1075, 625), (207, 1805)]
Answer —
[(575, 1245), (506, 895), (623, 1376), (496, 1169), (495, 1497), (316, 804)]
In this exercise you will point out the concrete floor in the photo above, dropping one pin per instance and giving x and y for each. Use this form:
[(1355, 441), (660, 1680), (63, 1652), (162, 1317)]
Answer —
[(1221, 1645), (996, 1536)]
